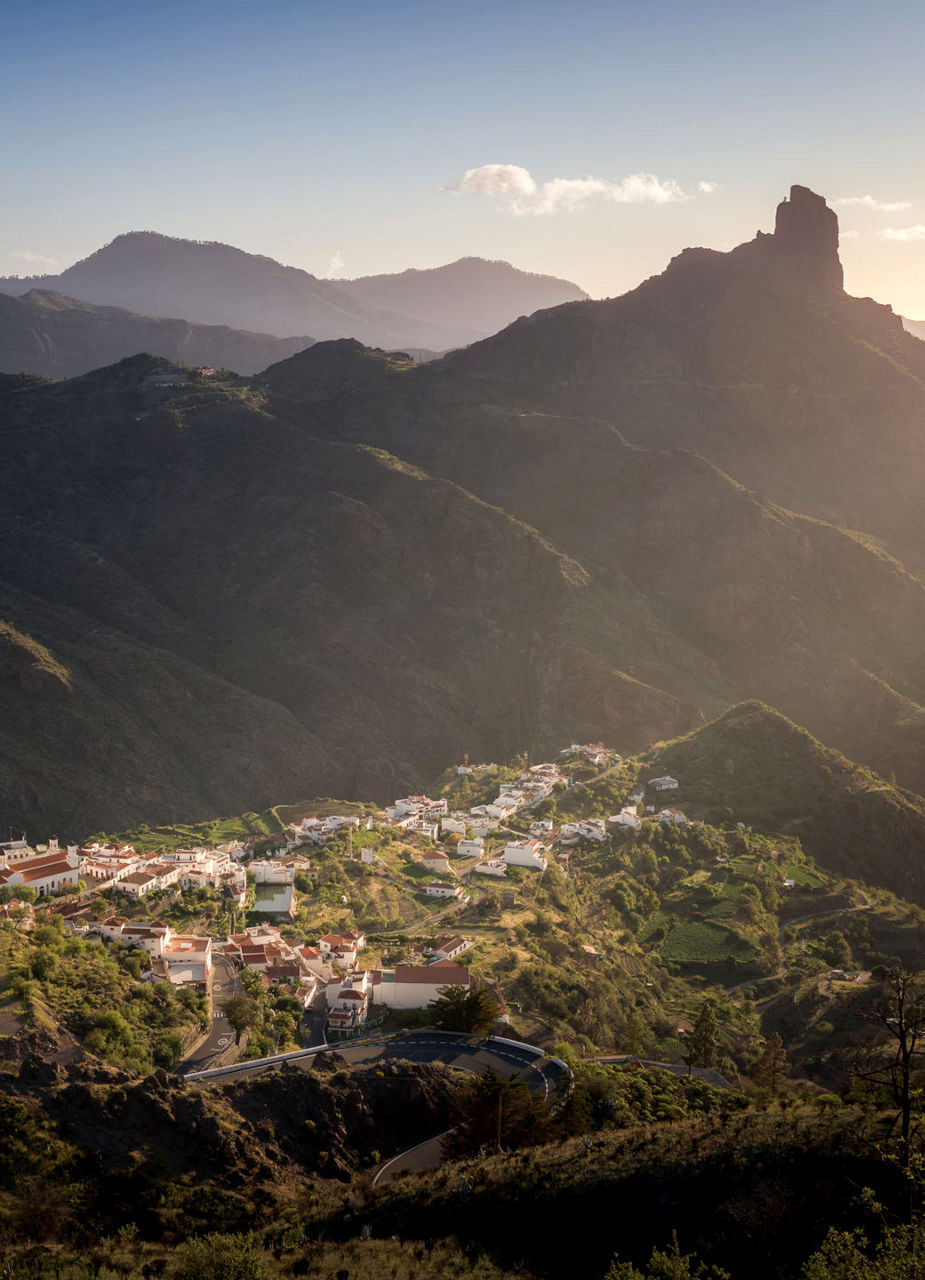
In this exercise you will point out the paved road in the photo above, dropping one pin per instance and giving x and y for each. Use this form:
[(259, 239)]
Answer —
[(475, 1054), (466, 1053), (225, 984)]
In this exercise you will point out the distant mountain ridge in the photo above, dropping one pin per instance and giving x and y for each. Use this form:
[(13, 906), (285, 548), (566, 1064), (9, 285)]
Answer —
[(46, 333), (207, 283), (481, 296)]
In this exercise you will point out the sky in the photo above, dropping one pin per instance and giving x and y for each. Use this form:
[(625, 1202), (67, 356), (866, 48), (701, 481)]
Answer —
[(587, 140)]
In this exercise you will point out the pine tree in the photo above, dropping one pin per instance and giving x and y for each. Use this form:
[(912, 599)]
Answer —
[(701, 1043), (772, 1064)]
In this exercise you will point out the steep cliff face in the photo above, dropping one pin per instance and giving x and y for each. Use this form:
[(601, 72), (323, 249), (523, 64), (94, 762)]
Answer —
[(805, 241)]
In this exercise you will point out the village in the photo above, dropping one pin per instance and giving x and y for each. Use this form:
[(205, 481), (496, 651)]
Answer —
[(121, 894)]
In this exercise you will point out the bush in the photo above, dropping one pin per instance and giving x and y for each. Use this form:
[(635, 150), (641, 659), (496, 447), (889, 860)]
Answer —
[(218, 1257)]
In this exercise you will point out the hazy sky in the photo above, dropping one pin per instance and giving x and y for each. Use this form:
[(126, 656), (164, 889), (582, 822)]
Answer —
[(337, 136)]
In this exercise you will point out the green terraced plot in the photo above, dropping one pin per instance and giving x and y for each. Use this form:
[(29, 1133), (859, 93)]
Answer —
[(703, 942)]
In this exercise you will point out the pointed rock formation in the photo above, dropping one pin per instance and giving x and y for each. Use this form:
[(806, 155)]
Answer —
[(806, 239)]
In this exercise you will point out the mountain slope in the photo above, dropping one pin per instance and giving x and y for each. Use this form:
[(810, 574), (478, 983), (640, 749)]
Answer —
[(418, 561), (774, 774), (58, 337), (469, 294), (215, 284), (798, 613), (398, 619), (755, 358)]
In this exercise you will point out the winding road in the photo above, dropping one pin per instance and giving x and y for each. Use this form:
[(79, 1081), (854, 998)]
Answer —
[(474, 1054)]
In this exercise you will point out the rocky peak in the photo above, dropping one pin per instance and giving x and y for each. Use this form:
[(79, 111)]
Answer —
[(806, 238)]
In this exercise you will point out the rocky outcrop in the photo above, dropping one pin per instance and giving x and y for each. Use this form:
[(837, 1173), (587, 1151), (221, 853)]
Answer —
[(805, 241)]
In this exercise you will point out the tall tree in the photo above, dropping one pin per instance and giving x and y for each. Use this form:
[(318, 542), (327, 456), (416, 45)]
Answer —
[(241, 1012), (701, 1043), (772, 1065), (901, 1012), (492, 1112)]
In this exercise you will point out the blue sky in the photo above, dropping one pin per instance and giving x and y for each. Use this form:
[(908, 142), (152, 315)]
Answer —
[(331, 136)]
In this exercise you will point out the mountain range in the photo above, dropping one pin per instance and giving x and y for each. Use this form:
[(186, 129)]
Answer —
[(612, 520), (45, 333), (216, 285)]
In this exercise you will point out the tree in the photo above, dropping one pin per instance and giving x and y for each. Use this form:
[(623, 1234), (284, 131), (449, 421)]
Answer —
[(901, 1012), (457, 1009), (492, 1112), (772, 1065), (701, 1043), (241, 1012)]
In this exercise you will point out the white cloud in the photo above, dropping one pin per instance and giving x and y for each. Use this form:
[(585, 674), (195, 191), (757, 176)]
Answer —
[(523, 195), (35, 259), (878, 206), (848, 235), (336, 265), (706, 188), (904, 234)]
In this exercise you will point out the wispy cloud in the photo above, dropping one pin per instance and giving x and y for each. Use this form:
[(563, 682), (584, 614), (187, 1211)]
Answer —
[(336, 265), (523, 195), (35, 259), (848, 235), (904, 234), (878, 206)]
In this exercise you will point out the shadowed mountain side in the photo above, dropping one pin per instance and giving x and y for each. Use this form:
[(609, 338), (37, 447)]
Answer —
[(755, 358), (468, 294), (46, 333), (398, 620), (130, 729), (775, 775), (780, 606)]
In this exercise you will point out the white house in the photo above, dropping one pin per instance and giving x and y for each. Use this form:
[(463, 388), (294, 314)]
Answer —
[(471, 848), (348, 1001), (454, 824), (269, 871), (450, 948), (16, 851), (626, 820), (410, 986), (491, 867), (185, 961), (439, 890), (429, 830), (672, 817), (524, 853), (45, 875), (667, 783), (584, 829)]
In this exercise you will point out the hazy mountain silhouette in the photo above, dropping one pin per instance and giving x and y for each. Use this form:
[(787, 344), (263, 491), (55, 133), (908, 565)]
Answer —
[(58, 337), (215, 284), (472, 294)]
